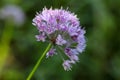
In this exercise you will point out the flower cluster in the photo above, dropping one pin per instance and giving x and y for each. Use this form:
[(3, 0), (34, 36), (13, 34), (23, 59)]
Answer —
[(14, 13), (61, 28)]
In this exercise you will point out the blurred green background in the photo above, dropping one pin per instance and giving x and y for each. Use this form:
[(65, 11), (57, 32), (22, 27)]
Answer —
[(19, 49)]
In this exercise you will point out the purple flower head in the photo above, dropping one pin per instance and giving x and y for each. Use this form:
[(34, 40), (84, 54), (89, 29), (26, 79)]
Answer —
[(61, 28), (13, 13)]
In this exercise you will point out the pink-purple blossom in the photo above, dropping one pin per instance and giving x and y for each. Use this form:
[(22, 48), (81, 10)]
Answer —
[(51, 52), (41, 37), (60, 40), (72, 54), (61, 28), (67, 65)]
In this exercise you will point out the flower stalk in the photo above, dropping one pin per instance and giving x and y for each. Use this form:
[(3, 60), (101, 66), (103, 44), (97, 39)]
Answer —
[(38, 62)]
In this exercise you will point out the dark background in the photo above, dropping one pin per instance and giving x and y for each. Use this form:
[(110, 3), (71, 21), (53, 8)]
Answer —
[(100, 61)]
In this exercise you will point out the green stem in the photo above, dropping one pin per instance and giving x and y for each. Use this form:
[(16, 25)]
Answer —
[(7, 33), (5, 41), (38, 62)]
